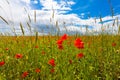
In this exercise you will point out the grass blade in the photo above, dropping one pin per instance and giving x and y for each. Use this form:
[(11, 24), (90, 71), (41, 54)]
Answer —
[(21, 26), (36, 37), (4, 20), (34, 16), (101, 20), (29, 18), (111, 8), (119, 30), (29, 27), (53, 12), (113, 23), (7, 1)]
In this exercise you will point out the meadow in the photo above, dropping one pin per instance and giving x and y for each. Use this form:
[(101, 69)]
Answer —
[(60, 57)]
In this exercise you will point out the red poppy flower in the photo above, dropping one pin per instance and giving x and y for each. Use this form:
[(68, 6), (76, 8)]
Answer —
[(43, 52), (113, 44), (78, 43), (18, 56), (64, 37), (37, 70), (60, 47), (59, 42), (36, 46), (2, 63), (52, 70), (80, 55), (51, 62), (6, 49), (25, 74)]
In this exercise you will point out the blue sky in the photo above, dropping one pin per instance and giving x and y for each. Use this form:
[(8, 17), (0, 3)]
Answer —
[(77, 14), (93, 8)]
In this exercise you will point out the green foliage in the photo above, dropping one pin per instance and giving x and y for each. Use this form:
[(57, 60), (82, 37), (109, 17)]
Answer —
[(101, 58)]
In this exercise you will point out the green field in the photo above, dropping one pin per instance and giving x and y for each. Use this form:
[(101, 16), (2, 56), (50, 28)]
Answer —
[(44, 58), (85, 54)]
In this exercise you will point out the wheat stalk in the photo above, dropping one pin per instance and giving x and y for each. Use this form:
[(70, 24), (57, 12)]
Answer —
[(35, 16), (111, 8), (65, 26), (29, 27), (4, 20), (119, 30), (21, 26)]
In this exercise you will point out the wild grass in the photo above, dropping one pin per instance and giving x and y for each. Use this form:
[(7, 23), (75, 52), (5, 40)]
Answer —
[(101, 58), (23, 55)]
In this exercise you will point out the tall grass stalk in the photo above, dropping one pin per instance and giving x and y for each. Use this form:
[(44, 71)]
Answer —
[(29, 26), (58, 29), (111, 8), (4, 20), (35, 16), (65, 27), (36, 38), (21, 26)]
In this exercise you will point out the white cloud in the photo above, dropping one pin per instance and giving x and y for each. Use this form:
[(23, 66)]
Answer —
[(26, 1), (51, 4)]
